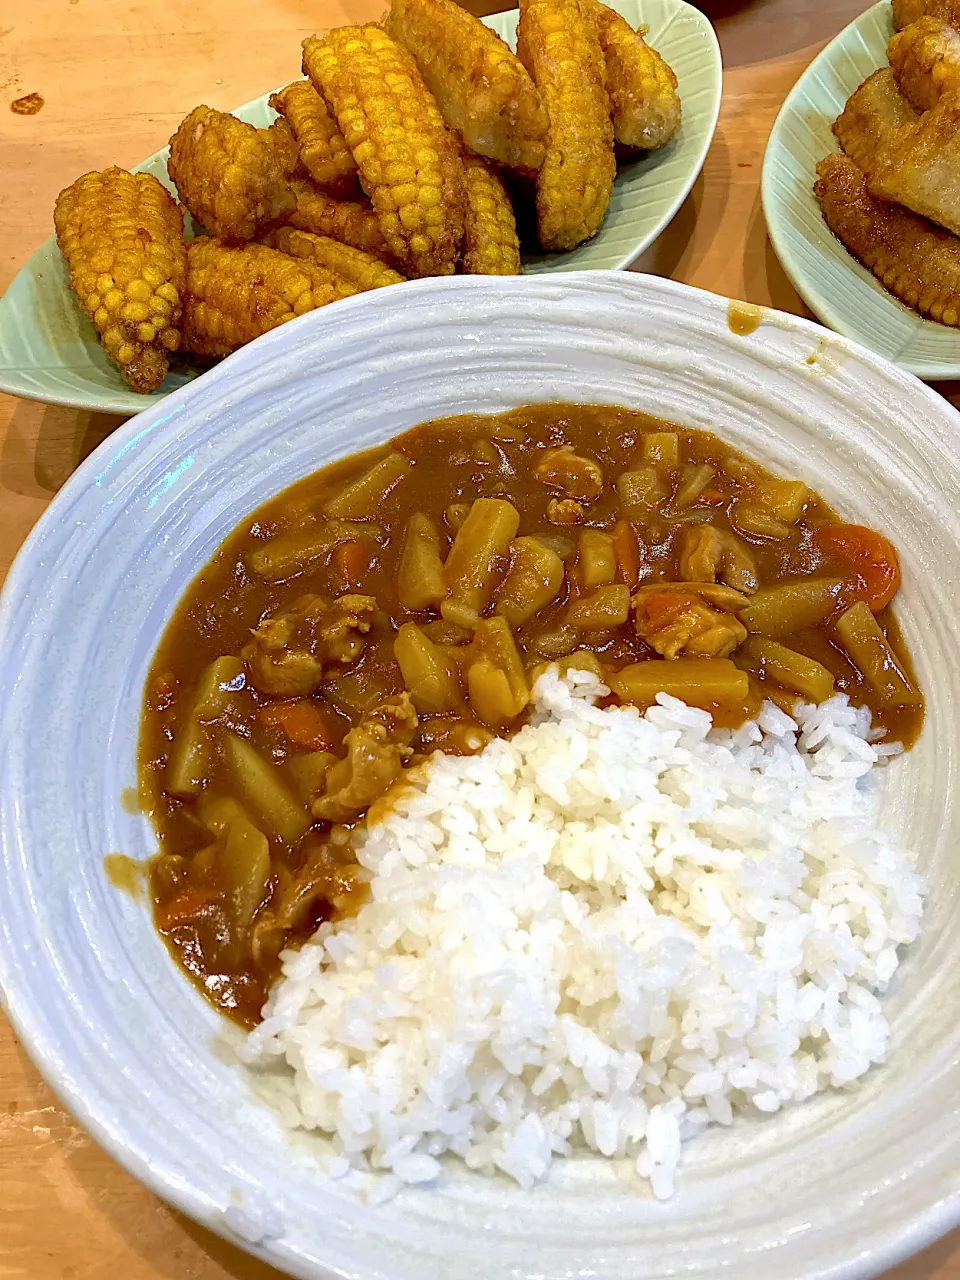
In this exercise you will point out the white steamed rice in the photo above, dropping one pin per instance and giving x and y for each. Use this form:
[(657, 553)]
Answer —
[(607, 933)]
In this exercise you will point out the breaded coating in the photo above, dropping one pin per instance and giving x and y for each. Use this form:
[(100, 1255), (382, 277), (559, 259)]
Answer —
[(349, 221), (918, 165), (642, 87), (925, 58), (872, 112), (918, 262), (558, 44), (284, 146), (121, 235), (907, 11), (408, 159), (490, 243), (482, 89), (323, 149), (234, 294), (361, 270), (229, 175)]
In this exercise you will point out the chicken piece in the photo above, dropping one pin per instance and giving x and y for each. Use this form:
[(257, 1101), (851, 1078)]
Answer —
[(677, 623), (918, 262), (574, 476), (289, 653), (708, 554), (322, 148), (121, 236), (361, 270), (872, 112), (925, 58), (409, 161), (236, 294), (376, 751), (642, 87), (565, 511), (482, 89), (491, 246), (918, 165), (228, 174), (351, 222), (906, 12), (557, 42)]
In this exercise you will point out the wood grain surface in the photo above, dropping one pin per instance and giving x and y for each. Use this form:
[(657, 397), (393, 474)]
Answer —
[(116, 78)]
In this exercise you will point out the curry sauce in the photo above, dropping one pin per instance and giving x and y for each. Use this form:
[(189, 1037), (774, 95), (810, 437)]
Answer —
[(401, 601)]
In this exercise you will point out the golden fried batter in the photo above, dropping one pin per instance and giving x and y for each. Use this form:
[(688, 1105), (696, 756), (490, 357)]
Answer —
[(408, 159), (873, 111), (284, 146), (490, 244), (349, 221), (557, 42), (907, 11), (229, 175), (482, 89), (925, 58), (235, 294), (918, 165), (121, 235), (323, 149), (360, 270), (918, 262), (642, 87)]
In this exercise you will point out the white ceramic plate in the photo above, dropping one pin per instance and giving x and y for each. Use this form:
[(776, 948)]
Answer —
[(49, 349), (841, 1187), (845, 295)]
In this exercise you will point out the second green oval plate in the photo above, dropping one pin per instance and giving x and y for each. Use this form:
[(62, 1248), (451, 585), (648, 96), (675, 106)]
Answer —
[(842, 293)]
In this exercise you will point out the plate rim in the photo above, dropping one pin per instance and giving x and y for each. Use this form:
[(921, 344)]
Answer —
[(776, 219), (28, 1021), (120, 400)]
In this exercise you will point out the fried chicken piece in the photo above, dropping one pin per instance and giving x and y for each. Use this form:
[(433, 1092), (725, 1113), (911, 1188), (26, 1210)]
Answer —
[(322, 147), (918, 262), (925, 58), (482, 89), (349, 221), (121, 235), (229, 175), (906, 12), (290, 652), (409, 161), (234, 294), (557, 42), (490, 243), (677, 623), (918, 165), (872, 112), (284, 146), (376, 751), (642, 87), (362, 270)]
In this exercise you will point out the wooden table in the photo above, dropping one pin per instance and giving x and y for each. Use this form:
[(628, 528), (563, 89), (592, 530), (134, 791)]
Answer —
[(117, 76)]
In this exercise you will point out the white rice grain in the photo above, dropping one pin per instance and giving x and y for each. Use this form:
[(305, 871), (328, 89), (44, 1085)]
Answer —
[(607, 933)]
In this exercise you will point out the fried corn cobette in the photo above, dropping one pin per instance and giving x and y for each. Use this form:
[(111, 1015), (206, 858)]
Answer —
[(482, 89), (229, 175), (323, 149), (642, 88), (408, 160), (557, 42), (490, 243), (925, 58), (907, 11), (349, 221), (235, 294), (361, 270), (121, 235)]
